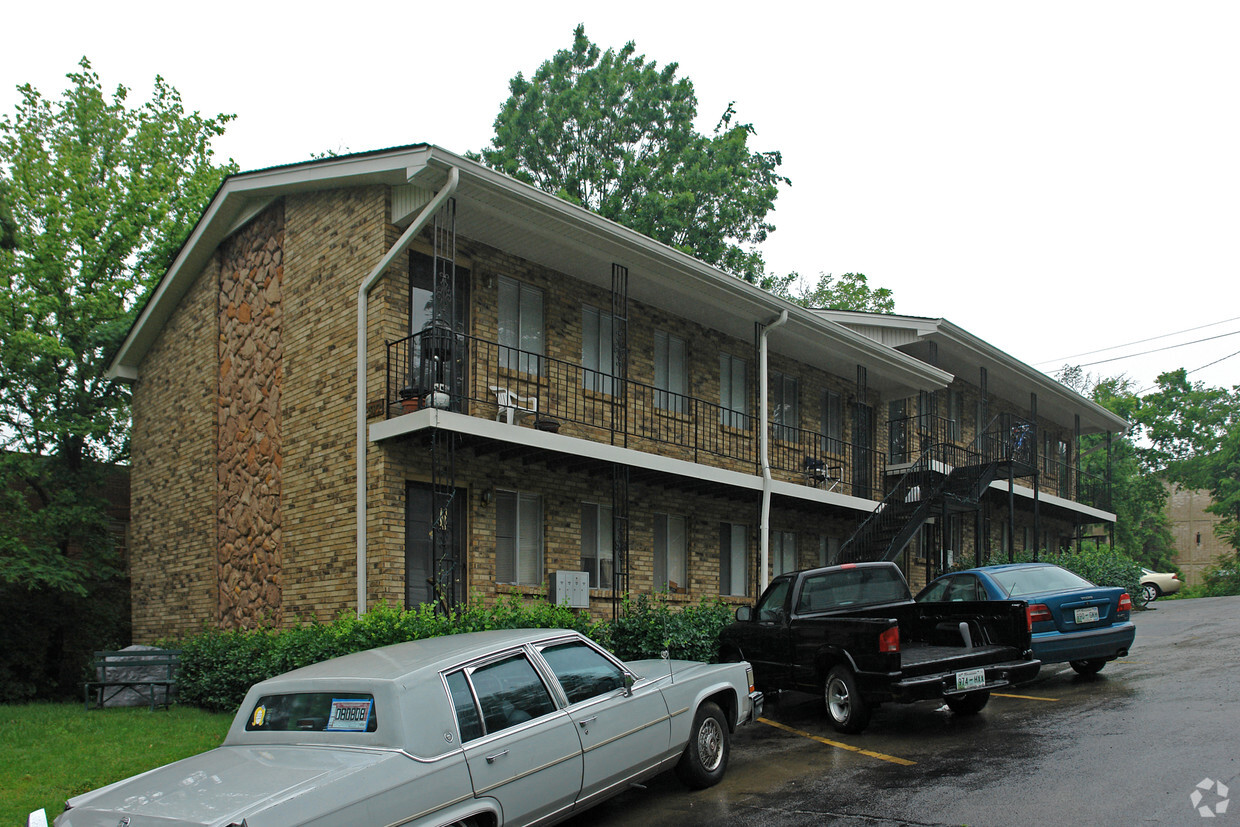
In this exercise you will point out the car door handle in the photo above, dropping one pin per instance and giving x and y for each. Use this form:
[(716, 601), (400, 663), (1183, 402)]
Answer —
[(491, 758), (585, 722)]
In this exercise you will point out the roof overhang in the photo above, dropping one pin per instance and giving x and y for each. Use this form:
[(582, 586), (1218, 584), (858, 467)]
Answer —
[(509, 215), (962, 353)]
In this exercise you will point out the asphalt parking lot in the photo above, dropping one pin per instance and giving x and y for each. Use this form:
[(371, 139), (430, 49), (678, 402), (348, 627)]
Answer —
[(1130, 745)]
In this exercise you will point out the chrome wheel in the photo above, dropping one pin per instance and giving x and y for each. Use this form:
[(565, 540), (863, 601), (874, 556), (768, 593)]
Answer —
[(710, 744), (839, 700)]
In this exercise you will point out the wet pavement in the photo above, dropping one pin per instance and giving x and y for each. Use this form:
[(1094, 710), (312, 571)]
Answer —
[(1128, 746)]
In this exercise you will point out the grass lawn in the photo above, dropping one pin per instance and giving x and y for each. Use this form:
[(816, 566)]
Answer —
[(54, 751)]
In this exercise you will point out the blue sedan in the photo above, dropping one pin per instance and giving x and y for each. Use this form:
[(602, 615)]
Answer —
[(1072, 620)]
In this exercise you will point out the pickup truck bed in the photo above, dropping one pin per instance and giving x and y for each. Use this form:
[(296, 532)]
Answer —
[(854, 634)]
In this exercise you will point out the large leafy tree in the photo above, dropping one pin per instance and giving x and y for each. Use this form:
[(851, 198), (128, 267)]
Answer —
[(101, 193), (614, 132), (850, 291)]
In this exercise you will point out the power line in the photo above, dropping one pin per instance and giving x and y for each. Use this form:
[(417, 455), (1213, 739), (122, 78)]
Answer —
[(1138, 342), (1158, 350), (1191, 372)]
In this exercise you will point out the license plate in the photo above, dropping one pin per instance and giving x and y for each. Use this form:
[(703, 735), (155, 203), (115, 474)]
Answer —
[(971, 679), (1088, 615)]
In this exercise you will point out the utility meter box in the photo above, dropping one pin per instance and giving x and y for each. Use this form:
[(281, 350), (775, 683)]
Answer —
[(571, 588)]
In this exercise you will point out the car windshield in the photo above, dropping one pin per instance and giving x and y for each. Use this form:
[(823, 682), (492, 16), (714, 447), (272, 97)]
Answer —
[(1017, 582), (314, 712)]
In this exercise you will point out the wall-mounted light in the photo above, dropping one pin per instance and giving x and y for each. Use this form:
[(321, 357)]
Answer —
[(488, 496)]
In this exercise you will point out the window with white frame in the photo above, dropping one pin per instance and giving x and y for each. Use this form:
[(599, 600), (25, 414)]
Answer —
[(598, 357), (671, 373), (521, 331), (833, 422), (783, 552), (596, 544), (518, 538), (785, 408), (733, 571), (733, 391), (670, 553)]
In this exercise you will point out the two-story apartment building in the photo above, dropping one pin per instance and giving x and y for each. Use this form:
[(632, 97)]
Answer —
[(401, 376)]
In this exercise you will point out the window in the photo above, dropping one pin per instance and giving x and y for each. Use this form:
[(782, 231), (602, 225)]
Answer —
[(732, 568), (833, 422), (467, 719), (598, 358), (332, 711), (582, 672), (783, 551), (670, 553), (510, 692), (671, 376), (733, 391), (521, 336), (828, 550), (596, 537), (518, 538), (784, 407)]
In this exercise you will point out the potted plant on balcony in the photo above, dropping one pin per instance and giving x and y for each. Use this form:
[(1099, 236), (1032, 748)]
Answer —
[(410, 398)]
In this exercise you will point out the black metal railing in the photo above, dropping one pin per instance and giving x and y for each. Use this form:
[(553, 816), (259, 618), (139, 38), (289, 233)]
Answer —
[(484, 378), (909, 436)]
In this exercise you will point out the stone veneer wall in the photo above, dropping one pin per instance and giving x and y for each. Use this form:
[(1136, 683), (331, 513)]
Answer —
[(173, 451), (249, 439)]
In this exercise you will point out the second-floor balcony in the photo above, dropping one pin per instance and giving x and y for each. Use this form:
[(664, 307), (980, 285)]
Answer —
[(445, 369)]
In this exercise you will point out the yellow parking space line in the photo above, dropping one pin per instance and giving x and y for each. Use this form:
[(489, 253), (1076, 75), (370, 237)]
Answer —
[(1022, 697), (904, 762)]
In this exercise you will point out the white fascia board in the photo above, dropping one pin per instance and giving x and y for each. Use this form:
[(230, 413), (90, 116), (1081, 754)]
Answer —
[(1024, 492), (556, 443)]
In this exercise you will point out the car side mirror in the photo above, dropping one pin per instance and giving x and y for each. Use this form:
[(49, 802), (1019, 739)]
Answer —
[(628, 683), (744, 613)]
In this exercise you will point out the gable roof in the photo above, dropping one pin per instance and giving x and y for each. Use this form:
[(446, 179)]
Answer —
[(512, 216), (962, 353)]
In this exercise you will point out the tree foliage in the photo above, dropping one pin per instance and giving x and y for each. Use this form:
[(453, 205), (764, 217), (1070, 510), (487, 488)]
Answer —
[(847, 292), (101, 196), (614, 132)]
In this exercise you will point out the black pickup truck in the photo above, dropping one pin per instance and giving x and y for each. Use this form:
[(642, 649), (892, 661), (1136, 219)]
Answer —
[(854, 634)]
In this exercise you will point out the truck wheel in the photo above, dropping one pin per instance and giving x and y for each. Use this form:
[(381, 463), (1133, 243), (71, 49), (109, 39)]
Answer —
[(705, 758), (847, 709), (969, 704), (1088, 667)]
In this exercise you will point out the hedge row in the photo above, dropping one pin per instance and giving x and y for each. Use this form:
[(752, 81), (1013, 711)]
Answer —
[(1100, 566), (218, 667)]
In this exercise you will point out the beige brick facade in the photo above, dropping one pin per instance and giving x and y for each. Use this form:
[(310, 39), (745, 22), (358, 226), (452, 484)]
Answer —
[(245, 428)]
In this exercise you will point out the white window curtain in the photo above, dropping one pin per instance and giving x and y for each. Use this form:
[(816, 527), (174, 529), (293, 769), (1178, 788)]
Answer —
[(784, 405), (518, 538), (597, 354), (733, 571), (596, 544), (733, 391), (671, 375), (783, 552), (521, 334), (832, 422), (670, 552)]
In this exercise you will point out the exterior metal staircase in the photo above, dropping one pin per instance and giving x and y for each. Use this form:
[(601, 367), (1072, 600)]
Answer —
[(945, 477)]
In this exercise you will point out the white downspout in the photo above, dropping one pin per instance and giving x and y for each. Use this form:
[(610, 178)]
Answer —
[(764, 530), (363, 297)]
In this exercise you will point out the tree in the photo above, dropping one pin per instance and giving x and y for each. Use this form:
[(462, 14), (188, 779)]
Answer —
[(614, 133), (1138, 497), (101, 196), (848, 292)]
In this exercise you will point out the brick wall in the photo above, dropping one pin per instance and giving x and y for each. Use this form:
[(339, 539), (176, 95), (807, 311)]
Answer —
[(173, 450)]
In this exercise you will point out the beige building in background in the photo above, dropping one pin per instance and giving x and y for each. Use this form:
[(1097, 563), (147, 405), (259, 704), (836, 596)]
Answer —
[(1192, 529)]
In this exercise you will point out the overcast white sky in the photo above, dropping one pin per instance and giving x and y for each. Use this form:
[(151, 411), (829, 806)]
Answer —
[(1055, 177)]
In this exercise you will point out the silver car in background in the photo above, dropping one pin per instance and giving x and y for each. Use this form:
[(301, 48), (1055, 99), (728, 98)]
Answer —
[(489, 728)]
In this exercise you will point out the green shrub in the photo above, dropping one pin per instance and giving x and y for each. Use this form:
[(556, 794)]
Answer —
[(217, 668), (1100, 566)]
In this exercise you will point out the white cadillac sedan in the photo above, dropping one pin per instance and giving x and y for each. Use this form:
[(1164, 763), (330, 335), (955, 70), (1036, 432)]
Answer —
[(483, 729)]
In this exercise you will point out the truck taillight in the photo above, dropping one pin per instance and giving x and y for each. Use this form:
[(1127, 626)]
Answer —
[(1037, 613), (889, 640), (1125, 602)]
